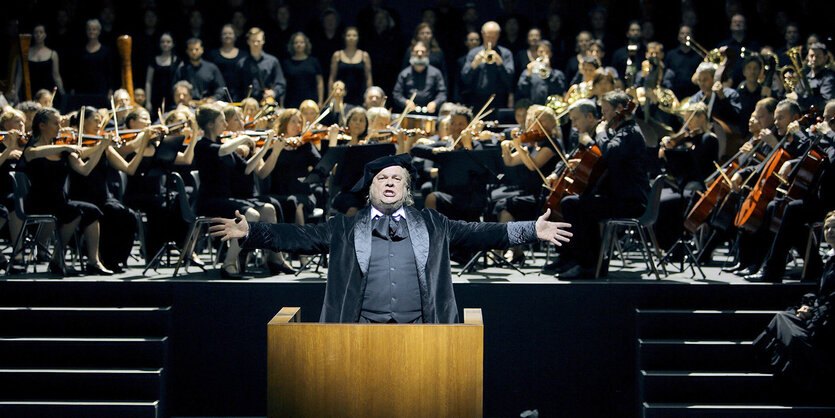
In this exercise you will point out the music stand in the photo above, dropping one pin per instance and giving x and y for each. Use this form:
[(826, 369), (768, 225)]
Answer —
[(681, 163), (162, 164)]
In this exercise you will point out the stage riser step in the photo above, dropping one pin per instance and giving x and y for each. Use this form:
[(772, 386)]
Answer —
[(736, 411), (76, 409), (720, 388), (86, 353), (66, 292), (670, 324), (735, 356), (57, 322), (75, 385)]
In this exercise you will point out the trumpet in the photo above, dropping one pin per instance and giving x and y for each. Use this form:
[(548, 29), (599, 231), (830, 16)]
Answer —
[(490, 57), (542, 70), (714, 56)]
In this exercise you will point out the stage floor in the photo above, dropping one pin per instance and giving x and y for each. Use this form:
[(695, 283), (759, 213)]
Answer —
[(634, 270)]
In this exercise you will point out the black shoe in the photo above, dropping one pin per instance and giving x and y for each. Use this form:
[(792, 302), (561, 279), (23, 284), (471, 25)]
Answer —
[(748, 271), (93, 269), (276, 268), (763, 278), (576, 273), (226, 274), (551, 268), (57, 269), (735, 268), (567, 265)]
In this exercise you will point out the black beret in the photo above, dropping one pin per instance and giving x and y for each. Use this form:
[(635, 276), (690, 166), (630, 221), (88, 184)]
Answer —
[(374, 167)]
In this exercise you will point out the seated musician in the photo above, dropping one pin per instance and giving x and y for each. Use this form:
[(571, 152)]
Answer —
[(182, 94), (309, 110), (357, 125), (144, 190), (520, 198), (47, 166), (820, 77), (750, 90), (380, 131), (339, 108), (539, 80), (621, 192), (655, 50), (722, 102), (421, 79), (121, 99), (11, 121), (29, 108), (689, 157), (374, 96), (118, 222), (797, 344), (456, 202), (582, 82), (284, 166), (205, 77), (799, 212), (217, 164)]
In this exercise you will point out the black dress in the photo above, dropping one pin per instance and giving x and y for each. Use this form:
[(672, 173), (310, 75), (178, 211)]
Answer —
[(284, 184), (46, 193), (301, 80), (162, 84), (215, 196), (800, 350), (353, 75), (228, 67), (40, 75), (95, 72), (118, 222)]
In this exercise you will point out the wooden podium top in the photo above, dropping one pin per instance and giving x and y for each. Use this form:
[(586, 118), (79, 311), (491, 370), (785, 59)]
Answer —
[(345, 370)]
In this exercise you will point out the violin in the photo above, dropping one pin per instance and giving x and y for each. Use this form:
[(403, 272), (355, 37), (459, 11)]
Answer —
[(386, 133), (21, 139), (531, 136)]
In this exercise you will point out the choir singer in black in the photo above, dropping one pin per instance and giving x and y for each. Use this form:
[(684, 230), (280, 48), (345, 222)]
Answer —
[(390, 262)]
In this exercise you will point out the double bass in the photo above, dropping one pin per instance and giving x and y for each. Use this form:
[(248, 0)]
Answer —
[(576, 180)]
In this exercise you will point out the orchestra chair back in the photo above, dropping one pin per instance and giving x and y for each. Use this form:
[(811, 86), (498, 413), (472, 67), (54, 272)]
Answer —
[(374, 370)]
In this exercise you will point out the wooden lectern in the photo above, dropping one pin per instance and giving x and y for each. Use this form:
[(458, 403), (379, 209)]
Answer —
[(375, 370)]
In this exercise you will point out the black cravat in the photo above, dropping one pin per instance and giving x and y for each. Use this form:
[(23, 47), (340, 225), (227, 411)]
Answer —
[(387, 226)]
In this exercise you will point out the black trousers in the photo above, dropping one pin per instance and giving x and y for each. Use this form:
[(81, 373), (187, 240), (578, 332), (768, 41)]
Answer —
[(793, 234), (118, 227)]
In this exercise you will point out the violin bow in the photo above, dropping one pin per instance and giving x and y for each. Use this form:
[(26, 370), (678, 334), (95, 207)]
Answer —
[(237, 115), (554, 144), (724, 176), (116, 121), (80, 126), (52, 97), (405, 112), (475, 119)]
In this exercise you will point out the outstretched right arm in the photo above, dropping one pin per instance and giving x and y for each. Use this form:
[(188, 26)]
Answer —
[(308, 239)]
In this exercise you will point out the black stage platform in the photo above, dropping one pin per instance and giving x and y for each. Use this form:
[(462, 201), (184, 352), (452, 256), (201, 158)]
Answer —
[(564, 348)]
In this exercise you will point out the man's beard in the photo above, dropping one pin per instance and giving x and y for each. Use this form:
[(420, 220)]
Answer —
[(419, 62)]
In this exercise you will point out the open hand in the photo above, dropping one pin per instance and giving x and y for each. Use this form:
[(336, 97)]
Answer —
[(555, 232), (227, 229)]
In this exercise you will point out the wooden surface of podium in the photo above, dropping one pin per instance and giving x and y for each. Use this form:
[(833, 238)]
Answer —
[(375, 370)]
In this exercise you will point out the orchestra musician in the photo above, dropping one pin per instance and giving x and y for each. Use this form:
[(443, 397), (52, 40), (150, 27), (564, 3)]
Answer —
[(522, 200), (421, 79), (219, 163), (47, 166), (489, 69), (820, 78), (540, 80), (722, 102), (620, 193), (12, 122), (799, 212), (118, 222), (339, 109)]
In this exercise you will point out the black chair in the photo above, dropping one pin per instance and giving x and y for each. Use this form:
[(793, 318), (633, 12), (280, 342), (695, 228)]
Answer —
[(643, 227), (141, 218), (27, 244), (197, 223)]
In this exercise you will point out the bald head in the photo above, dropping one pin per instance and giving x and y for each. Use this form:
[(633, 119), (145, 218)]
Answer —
[(490, 32)]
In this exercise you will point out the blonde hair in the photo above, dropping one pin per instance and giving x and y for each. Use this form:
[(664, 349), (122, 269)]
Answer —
[(10, 113), (704, 67)]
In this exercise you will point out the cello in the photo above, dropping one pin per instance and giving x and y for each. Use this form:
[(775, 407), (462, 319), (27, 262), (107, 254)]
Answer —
[(803, 178), (752, 211), (576, 180)]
